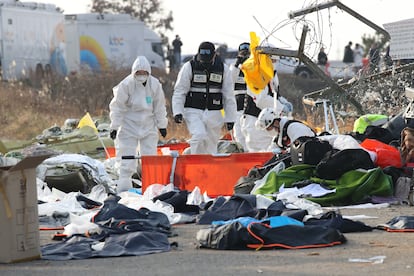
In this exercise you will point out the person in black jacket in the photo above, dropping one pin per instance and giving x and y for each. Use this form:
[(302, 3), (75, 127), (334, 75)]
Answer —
[(177, 43), (322, 57), (348, 53)]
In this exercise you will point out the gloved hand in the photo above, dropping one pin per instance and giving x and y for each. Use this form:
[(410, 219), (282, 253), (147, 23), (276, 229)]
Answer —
[(178, 118), (163, 132), (112, 134), (229, 126), (239, 60)]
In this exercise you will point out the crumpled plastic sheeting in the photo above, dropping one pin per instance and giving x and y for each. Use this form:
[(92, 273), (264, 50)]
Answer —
[(136, 201), (291, 198), (94, 167), (58, 201), (155, 190), (67, 203), (262, 181), (112, 167), (81, 224)]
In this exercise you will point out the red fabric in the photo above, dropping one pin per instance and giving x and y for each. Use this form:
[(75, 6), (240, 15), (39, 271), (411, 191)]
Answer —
[(386, 155)]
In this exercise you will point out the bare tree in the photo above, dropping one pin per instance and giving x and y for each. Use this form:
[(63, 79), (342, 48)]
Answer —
[(150, 12)]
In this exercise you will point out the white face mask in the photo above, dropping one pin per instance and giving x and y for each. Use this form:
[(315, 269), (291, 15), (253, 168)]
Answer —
[(141, 78)]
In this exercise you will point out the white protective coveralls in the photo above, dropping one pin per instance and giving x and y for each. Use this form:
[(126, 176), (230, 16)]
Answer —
[(204, 125), (259, 140), (137, 111), (237, 132)]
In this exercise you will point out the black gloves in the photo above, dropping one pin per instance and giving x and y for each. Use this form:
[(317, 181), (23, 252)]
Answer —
[(112, 134), (178, 118), (229, 126), (239, 60), (163, 132)]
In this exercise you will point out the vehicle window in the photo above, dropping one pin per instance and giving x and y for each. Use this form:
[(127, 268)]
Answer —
[(157, 48)]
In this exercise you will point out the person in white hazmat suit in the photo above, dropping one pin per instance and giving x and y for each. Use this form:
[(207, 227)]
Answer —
[(256, 139), (284, 130), (240, 91), (137, 113), (203, 88)]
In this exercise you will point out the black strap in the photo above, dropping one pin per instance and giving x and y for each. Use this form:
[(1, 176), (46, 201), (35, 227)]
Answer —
[(285, 137)]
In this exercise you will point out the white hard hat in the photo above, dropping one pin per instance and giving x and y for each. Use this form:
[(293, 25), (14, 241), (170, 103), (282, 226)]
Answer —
[(265, 118)]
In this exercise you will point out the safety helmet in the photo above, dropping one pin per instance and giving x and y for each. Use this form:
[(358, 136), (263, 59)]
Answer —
[(266, 118)]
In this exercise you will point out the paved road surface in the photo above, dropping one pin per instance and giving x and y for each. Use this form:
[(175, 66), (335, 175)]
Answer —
[(398, 249)]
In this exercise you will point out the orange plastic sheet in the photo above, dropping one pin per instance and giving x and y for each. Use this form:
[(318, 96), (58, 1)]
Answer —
[(215, 175)]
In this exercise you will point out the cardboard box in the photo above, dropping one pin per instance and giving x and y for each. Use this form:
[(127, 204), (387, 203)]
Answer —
[(19, 233)]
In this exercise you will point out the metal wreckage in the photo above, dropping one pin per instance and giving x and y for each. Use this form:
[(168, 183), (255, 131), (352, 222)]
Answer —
[(384, 91), (91, 140)]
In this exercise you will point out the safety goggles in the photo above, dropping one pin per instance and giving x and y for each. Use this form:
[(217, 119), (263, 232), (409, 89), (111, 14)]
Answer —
[(141, 72), (244, 47), (205, 52)]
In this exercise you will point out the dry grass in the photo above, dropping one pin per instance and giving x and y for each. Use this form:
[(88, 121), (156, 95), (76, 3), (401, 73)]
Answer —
[(26, 111), (28, 107)]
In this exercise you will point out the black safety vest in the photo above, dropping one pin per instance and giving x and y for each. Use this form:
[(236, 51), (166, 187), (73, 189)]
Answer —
[(250, 106), (206, 84), (240, 90)]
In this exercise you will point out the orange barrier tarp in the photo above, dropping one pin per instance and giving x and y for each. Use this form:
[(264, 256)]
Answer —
[(215, 175)]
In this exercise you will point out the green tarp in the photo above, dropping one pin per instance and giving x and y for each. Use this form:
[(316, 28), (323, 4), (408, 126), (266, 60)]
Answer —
[(353, 187)]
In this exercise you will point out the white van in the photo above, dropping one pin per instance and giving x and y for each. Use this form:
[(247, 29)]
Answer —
[(99, 41)]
